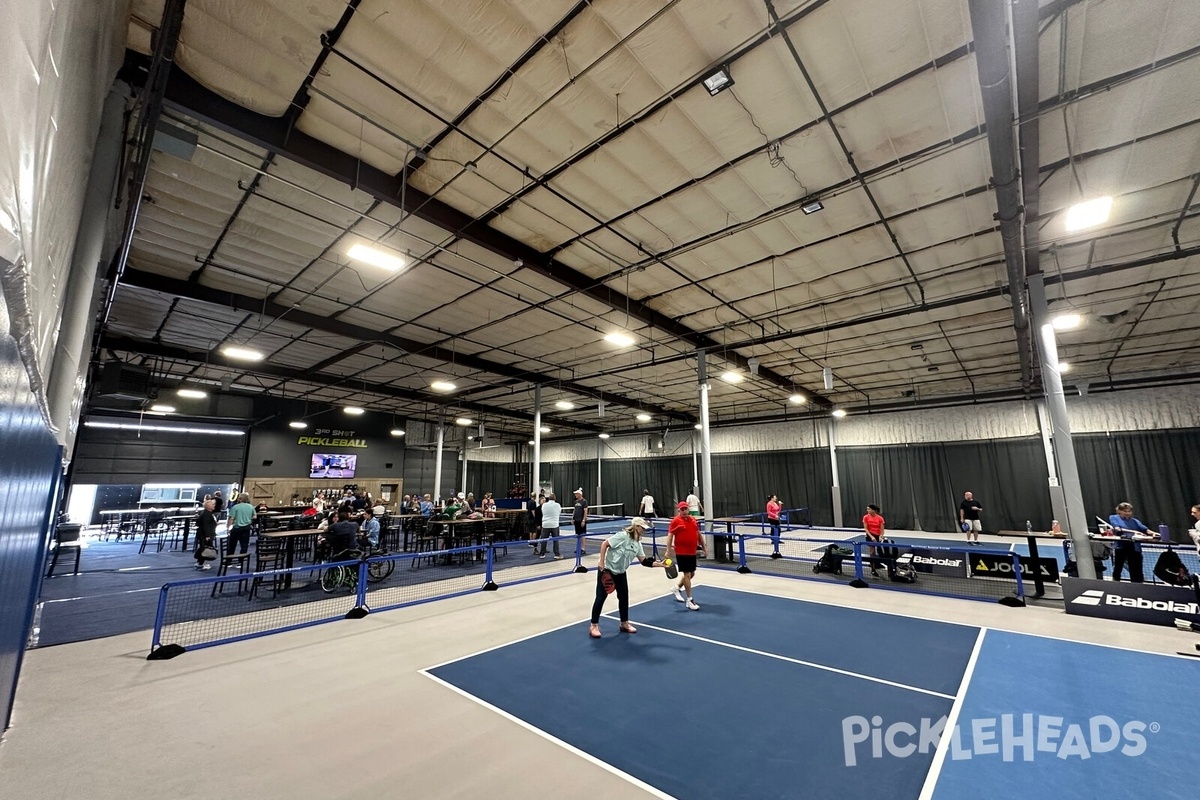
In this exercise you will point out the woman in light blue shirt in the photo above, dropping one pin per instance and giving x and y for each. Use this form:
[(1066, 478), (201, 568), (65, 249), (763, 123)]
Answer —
[(616, 554)]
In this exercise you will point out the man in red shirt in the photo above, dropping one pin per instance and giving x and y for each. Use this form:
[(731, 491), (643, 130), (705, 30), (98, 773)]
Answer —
[(684, 536), (873, 525)]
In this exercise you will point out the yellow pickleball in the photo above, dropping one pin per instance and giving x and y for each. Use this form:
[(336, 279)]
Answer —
[(667, 563)]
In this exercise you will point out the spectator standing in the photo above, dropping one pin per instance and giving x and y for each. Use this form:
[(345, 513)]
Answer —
[(535, 519), (683, 538), (241, 515), (1194, 532), (551, 510), (968, 515), (218, 504), (1126, 525), (694, 506), (579, 517), (774, 507), (489, 506), (874, 526), (206, 533)]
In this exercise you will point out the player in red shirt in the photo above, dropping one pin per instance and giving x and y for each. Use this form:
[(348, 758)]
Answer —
[(684, 536), (873, 525)]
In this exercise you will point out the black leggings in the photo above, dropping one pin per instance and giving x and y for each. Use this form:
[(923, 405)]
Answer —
[(622, 583), (238, 536), (1127, 555), (774, 533)]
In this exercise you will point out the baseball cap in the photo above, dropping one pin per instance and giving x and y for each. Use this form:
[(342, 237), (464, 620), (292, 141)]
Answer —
[(682, 504), (460, 496), (639, 521), (579, 491)]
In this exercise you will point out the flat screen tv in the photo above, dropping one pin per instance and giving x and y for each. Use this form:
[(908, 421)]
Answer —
[(332, 465)]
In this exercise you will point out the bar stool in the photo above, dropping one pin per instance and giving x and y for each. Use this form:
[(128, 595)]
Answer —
[(228, 560), (268, 558), (66, 534)]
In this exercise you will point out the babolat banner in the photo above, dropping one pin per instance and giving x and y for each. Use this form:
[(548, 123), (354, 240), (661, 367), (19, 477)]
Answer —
[(988, 566), (940, 562), (1154, 604)]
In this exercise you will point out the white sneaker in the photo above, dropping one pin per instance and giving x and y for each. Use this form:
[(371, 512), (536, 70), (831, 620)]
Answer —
[(207, 566), (679, 595), (691, 605)]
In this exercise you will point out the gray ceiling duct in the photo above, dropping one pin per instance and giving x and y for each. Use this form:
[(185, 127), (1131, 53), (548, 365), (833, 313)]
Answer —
[(990, 28)]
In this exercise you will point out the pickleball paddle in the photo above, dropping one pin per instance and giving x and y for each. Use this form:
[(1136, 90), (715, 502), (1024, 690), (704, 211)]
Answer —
[(606, 580), (672, 569)]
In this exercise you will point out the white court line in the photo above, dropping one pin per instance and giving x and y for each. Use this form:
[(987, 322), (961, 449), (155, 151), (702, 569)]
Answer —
[(551, 738), (761, 593), (506, 644), (791, 660), (939, 756), (93, 596)]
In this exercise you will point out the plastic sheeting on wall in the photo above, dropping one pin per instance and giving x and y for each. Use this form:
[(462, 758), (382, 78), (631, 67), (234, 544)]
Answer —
[(57, 61)]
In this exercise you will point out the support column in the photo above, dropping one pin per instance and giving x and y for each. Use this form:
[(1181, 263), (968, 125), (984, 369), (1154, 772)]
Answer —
[(1076, 522), (836, 489), (466, 449), (537, 441), (599, 471), (695, 462), (705, 442), (437, 461)]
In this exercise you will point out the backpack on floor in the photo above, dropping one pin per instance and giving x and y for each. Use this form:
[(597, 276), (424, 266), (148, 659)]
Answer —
[(831, 559), (902, 569)]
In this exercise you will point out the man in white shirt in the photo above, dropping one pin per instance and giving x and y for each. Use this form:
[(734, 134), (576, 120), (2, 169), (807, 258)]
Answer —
[(694, 507), (647, 505), (551, 512)]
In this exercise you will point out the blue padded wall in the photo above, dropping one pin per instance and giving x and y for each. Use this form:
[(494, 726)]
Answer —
[(30, 467)]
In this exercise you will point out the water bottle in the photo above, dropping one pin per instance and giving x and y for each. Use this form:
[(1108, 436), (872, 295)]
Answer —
[(1028, 527), (1164, 533)]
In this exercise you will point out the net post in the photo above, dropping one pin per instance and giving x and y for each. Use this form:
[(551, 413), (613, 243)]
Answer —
[(360, 609), (858, 582), (579, 567), (742, 568), (489, 585), (1017, 600), (159, 651)]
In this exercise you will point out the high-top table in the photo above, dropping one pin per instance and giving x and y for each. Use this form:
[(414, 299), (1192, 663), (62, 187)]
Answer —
[(289, 548)]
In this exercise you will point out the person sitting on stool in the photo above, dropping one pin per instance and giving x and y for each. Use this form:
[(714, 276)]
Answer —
[(1125, 525)]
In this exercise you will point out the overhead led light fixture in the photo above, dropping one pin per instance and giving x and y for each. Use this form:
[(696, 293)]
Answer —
[(442, 386), (531, 441), (464, 421), (619, 338), (241, 353), (298, 425), (162, 408), (376, 257), (1066, 322), (1063, 367), (698, 426), (543, 429), (397, 432), (718, 80), (811, 205), (564, 405), (1088, 214), (191, 394), (124, 426), (733, 377), (604, 436), (798, 399), (354, 411), (644, 417), (839, 412)]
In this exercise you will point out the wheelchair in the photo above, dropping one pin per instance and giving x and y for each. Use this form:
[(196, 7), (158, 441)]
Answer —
[(341, 576)]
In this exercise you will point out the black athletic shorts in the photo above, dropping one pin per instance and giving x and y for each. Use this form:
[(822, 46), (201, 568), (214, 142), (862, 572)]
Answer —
[(685, 563)]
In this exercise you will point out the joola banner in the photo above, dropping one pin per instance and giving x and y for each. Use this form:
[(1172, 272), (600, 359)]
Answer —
[(1153, 604), (986, 566)]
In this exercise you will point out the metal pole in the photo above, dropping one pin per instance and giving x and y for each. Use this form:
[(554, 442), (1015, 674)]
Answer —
[(599, 471), (1060, 428), (695, 462), (705, 442), (836, 489), (466, 450), (537, 441), (437, 462)]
